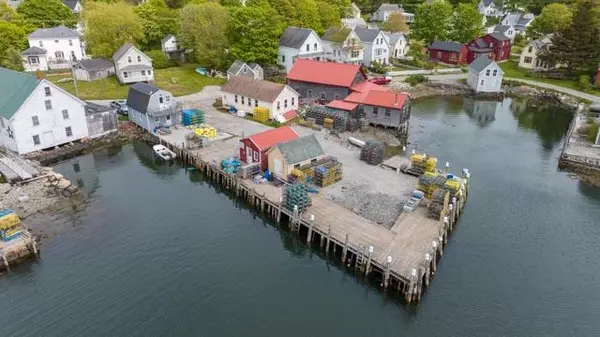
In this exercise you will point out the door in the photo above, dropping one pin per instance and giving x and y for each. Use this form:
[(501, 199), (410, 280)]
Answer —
[(169, 120), (278, 167), (47, 139), (248, 155)]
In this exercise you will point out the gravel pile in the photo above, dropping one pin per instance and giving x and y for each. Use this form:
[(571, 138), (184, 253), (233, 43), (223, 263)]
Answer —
[(378, 207)]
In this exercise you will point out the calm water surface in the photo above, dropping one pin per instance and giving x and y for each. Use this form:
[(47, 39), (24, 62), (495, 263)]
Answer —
[(159, 252)]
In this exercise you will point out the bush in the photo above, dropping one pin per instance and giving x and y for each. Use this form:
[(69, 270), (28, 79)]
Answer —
[(378, 68), (584, 83), (519, 40), (413, 80), (159, 60), (592, 132)]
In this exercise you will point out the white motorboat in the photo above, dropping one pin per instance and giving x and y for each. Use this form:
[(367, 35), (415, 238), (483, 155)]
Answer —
[(163, 152)]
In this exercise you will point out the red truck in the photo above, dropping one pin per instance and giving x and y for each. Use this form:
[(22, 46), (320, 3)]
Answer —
[(381, 80)]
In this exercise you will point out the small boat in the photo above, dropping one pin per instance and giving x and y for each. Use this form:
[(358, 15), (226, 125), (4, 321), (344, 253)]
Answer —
[(163, 152)]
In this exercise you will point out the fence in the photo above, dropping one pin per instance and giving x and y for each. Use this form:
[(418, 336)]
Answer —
[(424, 72)]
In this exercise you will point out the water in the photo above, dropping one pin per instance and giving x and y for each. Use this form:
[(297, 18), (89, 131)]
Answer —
[(159, 252)]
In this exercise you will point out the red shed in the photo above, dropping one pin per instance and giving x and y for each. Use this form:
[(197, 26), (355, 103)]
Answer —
[(448, 52), (254, 149), (496, 46)]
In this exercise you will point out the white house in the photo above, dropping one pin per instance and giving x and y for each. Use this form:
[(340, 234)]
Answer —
[(529, 58), (484, 75), (519, 21), (398, 45), (169, 44), (131, 65), (377, 46), (245, 94), (509, 31), (385, 10), (62, 47), (489, 8), (74, 5), (354, 22), (343, 45), (298, 43), (354, 11), (239, 68), (36, 114)]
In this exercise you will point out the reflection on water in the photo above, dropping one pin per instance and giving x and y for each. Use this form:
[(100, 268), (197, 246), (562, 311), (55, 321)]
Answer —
[(149, 159), (483, 112)]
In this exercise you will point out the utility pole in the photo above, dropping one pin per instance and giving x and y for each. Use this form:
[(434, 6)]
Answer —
[(73, 75)]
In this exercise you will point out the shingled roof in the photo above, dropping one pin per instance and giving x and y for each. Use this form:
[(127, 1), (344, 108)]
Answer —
[(256, 89), (139, 96), (446, 46), (301, 149), (480, 63), (95, 64), (54, 32), (33, 51), (367, 34), (294, 37)]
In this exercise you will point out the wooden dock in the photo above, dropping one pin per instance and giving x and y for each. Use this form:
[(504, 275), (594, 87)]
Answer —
[(16, 250), (405, 256)]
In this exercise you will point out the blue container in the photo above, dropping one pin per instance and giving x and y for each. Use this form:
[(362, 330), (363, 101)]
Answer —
[(6, 211)]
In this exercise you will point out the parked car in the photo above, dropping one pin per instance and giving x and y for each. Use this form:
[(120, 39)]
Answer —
[(121, 107), (381, 80)]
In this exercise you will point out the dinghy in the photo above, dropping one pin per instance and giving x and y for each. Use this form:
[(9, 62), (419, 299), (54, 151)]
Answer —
[(163, 152)]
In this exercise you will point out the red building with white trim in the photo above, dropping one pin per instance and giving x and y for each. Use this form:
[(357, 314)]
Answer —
[(496, 46), (448, 52), (254, 149)]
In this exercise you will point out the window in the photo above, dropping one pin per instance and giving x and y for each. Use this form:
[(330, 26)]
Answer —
[(323, 96), (375, 111), (355, 53), (495, 72), (487, 72), (48, 104), (256, 103), (35, 120), (249, 101), (36, 140), (285, 103), (69, 131), (125, 74), (278, 105), (65, 114), (235, 98), (168, 117), (336, 96), (33, 59), (156, 119), (143, 72), (47, 91), (315, 47), (128, 59), (482, 82), (307, 47), (255, 155), (283, 58), (149, 72), (439, 54), (293, 101), (55, 41), (41, 44), (243, 100), (59, 55), (245, 70), (139, 58), (168, 98), (70, 42), (309, 93), (388, 113), (530, 49), (297, 166)]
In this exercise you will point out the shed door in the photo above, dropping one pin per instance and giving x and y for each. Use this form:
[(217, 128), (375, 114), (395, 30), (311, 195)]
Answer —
[(248, 155), (278, 167)]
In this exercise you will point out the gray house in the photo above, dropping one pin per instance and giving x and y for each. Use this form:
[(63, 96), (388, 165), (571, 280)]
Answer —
[(95, 69), (239, 68), (151, 107), (383, 108), (101, 119)]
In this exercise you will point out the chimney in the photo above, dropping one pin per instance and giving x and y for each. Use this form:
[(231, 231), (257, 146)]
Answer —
[(395, 99)]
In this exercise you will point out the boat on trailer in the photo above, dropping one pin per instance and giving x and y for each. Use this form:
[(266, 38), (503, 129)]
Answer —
[(163, 152)]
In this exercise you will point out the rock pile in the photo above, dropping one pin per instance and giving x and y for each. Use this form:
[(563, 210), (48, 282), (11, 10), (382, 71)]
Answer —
[(59, 184)]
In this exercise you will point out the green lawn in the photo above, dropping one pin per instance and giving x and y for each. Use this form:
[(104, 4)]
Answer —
[(179, 81), (515, 49), (511, 69)]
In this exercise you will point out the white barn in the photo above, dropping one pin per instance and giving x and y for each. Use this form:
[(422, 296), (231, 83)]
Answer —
[(244, 93), (35, 114), (484, 75)]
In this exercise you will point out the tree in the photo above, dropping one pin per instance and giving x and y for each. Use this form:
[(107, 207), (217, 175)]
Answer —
[(254, 32), (12, 40), (577, 46), (466, 23), (432, 21), (329, 14), (204, 30), (47, 13), (307, 15), (555, 17), (417, 51), (395, 24), (158, 21), (109, 26)]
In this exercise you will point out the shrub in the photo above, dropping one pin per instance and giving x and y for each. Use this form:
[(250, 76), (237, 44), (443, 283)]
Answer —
[(584, 83), (378, 68), (592, 132), (520, 40), (159, 60), (413, 80)]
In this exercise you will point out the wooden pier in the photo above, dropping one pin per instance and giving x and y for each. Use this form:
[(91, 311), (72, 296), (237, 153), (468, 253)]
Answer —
[(17, 250), (404, 256)]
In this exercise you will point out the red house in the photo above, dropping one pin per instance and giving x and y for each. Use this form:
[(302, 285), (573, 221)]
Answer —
[(496, 46), (448, 52), (254, 149)]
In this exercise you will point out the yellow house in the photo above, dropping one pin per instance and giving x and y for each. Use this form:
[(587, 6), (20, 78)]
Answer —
[(284, 157)]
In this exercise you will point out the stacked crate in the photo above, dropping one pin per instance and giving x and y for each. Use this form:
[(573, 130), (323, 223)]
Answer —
[(206, 132), (328, 173), (296, 194), (331, 119), (261, 114), (192, 117), (429, 182), (372, 152), (438, 206)]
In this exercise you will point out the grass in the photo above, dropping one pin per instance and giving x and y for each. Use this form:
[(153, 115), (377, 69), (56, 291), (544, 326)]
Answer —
[(515, 49), (182, 80), (511, 69)]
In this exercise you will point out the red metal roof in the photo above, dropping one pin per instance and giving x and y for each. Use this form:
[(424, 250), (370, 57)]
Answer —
[(377, 98), (342, 105), (367, 86), (267, 139), (329, 73), (290, 115)]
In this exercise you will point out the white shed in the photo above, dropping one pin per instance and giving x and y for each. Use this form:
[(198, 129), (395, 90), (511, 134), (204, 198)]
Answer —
[(485, 75)]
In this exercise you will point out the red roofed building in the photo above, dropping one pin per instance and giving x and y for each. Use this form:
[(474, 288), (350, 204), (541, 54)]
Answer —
[(383, 108), (254, 149), (496, 46), (327, 81)]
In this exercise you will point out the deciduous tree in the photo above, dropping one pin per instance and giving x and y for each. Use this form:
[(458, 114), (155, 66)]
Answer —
[(204, 31), (395, 24), (329, 14), (12, 40), (47, 13), (158, 21), (466, 23), (109, 26), (432, 21), (555, 17)]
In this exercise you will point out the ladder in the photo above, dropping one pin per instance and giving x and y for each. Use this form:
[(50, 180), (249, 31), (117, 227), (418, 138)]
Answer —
[(360, 259)]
